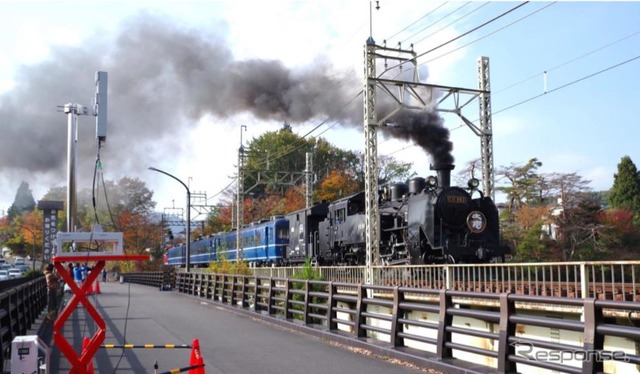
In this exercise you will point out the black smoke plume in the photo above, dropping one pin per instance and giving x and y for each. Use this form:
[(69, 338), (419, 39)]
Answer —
[(424, 128), (163, 78)]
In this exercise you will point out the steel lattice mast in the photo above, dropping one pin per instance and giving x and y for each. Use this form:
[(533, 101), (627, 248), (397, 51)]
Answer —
[(372, 221), (309, 180), (417, 96), (486, 134)]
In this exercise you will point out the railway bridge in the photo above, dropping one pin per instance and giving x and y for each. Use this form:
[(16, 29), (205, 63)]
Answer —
[(527, 318), (573, 317)]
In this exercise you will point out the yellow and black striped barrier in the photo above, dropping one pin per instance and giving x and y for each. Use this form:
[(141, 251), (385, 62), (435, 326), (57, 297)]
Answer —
[(170, 346), (182, 370), (196, 362)]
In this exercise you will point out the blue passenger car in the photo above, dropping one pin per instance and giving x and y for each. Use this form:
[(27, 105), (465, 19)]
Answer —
[(263, 243)]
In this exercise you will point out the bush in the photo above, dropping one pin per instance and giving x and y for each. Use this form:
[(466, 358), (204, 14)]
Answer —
[(307, 272)]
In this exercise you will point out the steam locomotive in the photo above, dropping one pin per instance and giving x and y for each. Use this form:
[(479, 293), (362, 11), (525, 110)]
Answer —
[(425, 221)]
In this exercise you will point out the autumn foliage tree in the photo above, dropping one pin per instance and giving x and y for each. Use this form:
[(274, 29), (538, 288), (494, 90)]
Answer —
[(336, 185)]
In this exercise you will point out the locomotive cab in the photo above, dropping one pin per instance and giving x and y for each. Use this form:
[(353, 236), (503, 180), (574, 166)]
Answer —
[(341, 234)]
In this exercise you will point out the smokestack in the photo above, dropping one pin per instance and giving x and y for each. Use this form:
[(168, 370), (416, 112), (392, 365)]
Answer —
[(444, 174)]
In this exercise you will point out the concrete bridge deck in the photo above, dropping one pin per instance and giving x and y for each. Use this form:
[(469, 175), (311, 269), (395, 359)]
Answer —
[(230, 342)]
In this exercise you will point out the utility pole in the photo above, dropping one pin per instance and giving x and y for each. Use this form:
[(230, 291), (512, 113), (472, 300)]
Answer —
[(240, 196)]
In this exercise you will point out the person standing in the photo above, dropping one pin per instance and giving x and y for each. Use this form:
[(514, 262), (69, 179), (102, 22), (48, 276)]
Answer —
[(53, 287), (104, 275), (77, 274)]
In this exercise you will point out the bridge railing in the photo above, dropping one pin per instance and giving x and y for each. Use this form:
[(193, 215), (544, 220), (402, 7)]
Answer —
[(21, 303), (611, 280), (430, 326)]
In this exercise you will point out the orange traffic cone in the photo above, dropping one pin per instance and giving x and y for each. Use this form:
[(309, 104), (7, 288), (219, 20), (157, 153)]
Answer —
[(97, 290), (90, 289), (196, 358), (85, 344)]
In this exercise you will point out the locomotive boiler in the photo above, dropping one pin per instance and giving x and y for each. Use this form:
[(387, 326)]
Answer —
[(424, 221)]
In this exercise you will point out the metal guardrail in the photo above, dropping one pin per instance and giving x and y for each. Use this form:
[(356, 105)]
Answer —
[(612, 280), (388, 315), (21, 302)]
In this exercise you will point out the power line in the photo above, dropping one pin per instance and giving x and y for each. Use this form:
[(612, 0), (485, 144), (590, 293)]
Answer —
[(451, 23), (418, 20), (568, 62), (543, 94), (458, 37), (473, 29), (568, 84), (360, 92), (437, 21), (491, 33)]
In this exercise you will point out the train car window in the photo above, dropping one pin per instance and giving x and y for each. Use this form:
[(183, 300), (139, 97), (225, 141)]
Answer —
[(340, 216), (282, 232)]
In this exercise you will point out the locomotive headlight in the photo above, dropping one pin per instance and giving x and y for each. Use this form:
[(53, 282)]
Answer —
[(432, 181), (473, 183)]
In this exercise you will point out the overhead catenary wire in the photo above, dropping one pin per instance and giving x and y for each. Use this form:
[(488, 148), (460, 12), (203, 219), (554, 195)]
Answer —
[(423, 17), (350, 73), (460, 36), (418, 20), (489, 34), (543, 94), (456, 38), (568, 62), (568, 84), (451, 23)]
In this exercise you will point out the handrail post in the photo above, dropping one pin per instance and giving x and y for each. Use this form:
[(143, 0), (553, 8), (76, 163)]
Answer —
[(448, 279), (287, 299), (307, 298), (445, 320), (361, 306), (507, 330), (234, 283), (256, 295), (331, 311), (584, 285), (271, 292), (593, 342), (398, 298), (243, 298)]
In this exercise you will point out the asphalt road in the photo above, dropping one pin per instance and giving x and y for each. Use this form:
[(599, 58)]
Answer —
[(230, 342)]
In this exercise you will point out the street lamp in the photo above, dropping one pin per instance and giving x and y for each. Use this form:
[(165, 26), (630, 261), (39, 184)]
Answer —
[(188, 254)]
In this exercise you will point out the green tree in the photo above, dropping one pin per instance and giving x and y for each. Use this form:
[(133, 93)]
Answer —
[(523, 184), (280, 156), (111, 200), (580, 224), (625, 192), (23, 201)]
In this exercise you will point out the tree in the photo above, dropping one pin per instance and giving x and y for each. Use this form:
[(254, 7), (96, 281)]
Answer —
[(271, 155), (625, 193), (618, 234), (523, 184), (280, 156), (337, 184), (390, 170), (126, 195), (470, 170), (23, 201), (578, 238)]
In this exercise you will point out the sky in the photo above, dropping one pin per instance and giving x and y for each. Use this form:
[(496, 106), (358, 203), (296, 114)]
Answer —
[(190, 80)]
